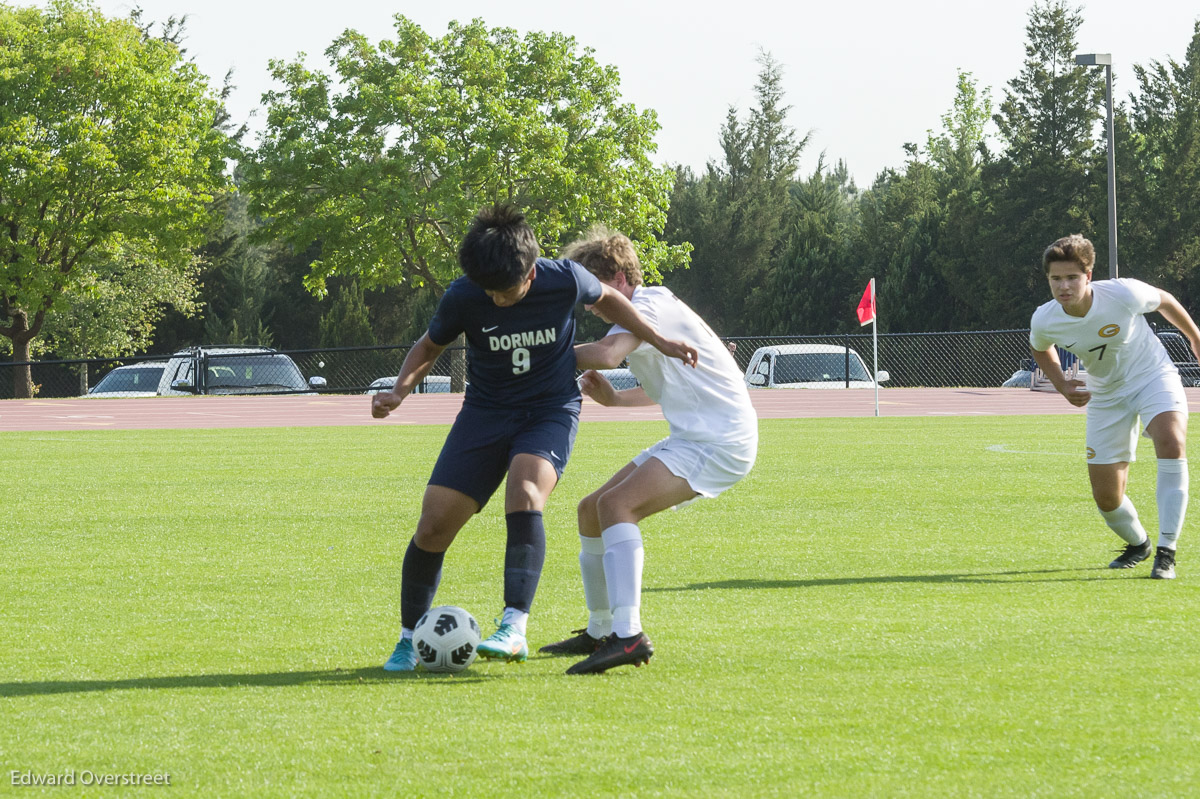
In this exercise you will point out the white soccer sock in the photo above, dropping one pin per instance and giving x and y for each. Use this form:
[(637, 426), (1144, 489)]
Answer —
[(595, 588), (1124, 522), (1172, 495), (517, 618), (623, 556)]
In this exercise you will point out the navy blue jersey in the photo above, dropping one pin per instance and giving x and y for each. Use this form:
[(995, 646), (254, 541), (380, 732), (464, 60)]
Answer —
[(523, 355)]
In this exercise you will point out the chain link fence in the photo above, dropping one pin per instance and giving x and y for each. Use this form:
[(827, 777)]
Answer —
[(974, 359), (916, 360)]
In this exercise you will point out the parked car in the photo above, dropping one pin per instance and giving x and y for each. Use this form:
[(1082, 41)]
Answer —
[(432, 384), (1180, 350), (822, 366), (131, 380), (233, 370)]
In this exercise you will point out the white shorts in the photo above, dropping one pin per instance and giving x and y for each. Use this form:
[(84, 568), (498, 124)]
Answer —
[(707, 467), (1113, 420)]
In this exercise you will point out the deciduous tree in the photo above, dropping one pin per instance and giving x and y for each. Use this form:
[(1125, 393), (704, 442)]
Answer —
[(386, 159), (109, 156)]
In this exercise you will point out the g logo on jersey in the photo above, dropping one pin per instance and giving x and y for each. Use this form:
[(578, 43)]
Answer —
[(1091, 453), (1108, 331)]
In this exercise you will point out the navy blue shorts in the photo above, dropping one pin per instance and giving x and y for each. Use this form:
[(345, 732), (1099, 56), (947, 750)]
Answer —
[(483, 441)]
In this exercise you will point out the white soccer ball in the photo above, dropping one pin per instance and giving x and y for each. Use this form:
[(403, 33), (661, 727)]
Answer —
[(446, 639)]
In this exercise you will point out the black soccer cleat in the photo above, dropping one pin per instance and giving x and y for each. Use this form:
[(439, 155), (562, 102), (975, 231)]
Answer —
[(1132, 555), (614, 651), (581, 643), (1164, 564)]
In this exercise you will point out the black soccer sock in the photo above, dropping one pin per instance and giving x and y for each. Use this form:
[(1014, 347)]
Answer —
[(418, 583), (523, 558)]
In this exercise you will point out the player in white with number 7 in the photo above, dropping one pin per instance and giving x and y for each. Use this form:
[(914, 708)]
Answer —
[(1130, 376)]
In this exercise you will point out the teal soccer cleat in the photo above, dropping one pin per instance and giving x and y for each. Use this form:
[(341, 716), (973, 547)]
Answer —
[(505, 644), (404, 658)]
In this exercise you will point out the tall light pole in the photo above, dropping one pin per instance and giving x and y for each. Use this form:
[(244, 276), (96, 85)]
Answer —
[(1105, 60)]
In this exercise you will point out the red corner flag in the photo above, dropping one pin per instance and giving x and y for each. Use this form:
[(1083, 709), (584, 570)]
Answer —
[(866, 306)]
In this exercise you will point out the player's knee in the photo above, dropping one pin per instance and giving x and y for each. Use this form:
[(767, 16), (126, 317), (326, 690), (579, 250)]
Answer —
[(434, 535), (524, 496), (1171, 448), (611, 507), (1106, 501), (587, 507)]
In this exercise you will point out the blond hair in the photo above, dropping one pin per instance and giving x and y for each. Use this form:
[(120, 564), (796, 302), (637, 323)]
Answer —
[(605, 254)]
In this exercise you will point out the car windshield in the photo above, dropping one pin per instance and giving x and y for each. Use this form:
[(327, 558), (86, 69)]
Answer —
[(818, 367), (1177, 346), (254, 371), (140, 378)]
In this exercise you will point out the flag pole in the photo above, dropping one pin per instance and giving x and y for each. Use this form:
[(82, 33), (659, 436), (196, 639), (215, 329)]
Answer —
[(875, 345), (867, 314)]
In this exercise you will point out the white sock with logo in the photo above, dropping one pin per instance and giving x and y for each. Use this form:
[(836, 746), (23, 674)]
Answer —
[(517, 618), (1172, 496), (623, 557), (1124, 522), (595, 588)]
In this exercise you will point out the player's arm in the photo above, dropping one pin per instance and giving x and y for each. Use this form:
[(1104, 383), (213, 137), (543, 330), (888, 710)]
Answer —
[(617, 309), (1177, 315), (597, 386), (417, 363), (1074, 390), (607, 353)]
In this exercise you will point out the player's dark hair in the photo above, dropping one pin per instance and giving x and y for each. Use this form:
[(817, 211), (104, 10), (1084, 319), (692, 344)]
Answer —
[(605, 253), (499, 250), (1074, 248)]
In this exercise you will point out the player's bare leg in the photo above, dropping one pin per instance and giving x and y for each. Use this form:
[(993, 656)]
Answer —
[(646, 490), (1108, 489), (444, 512), (591, 568)]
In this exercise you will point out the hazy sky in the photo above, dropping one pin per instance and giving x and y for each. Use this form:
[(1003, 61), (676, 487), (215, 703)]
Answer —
[(863, 76)]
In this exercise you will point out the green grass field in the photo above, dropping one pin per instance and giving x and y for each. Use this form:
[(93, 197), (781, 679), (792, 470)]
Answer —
[(885, 607)]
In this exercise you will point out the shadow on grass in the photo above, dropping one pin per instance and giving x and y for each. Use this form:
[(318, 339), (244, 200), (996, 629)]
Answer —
[(966, 577), (270, 680)]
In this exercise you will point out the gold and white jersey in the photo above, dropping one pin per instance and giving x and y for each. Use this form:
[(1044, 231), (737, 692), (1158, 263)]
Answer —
[(708, 403), (1113, 341)]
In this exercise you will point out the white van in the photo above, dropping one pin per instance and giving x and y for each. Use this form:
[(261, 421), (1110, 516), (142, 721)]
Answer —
[(809, 366)]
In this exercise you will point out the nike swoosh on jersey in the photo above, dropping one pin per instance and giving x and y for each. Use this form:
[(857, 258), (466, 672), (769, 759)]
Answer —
[(490, 329)]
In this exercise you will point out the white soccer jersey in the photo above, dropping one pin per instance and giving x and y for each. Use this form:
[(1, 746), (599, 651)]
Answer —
[(708, 403), (1113, 341)]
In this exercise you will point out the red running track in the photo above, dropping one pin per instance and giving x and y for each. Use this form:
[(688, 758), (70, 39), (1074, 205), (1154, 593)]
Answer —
[(154, 413)]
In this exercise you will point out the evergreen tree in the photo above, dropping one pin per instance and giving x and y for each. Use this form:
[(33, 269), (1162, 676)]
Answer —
[(737, 216), (957, 155), (1159, 190), (807, 290), (348, 323), (1040, 184)]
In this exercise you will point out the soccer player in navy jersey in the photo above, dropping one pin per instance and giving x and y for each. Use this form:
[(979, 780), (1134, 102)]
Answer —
[(519, 416)]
